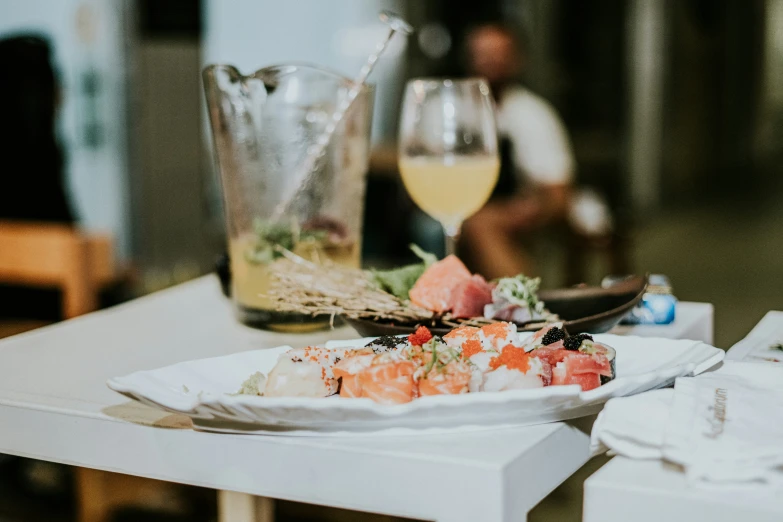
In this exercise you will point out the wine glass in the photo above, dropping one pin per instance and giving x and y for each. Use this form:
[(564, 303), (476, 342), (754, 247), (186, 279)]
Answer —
[(448, 149)]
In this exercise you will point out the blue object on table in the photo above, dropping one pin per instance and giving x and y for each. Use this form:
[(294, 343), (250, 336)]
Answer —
[(658, 305)]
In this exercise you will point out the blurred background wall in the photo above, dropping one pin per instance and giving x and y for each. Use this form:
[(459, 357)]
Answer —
[(89, 42), (673, 107)]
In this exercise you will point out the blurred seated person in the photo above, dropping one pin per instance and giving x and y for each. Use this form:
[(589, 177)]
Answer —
[(535, 186), (31, 163)]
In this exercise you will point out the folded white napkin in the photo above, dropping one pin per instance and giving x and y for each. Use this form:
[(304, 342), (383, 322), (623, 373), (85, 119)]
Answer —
[(724, 427), (633, 426)]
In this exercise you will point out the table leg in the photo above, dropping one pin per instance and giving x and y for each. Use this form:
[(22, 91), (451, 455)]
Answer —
[(241, 507)]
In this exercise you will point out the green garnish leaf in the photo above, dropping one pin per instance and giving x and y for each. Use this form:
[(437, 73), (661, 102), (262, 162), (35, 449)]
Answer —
[(428, 258), (399, 281), (777, 346)]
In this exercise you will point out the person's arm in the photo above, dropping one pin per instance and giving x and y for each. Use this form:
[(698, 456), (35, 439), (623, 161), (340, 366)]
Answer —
[(554, 201), (546, 204)]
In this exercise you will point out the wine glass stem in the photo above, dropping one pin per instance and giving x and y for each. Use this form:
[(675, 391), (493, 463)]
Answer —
[(452, 238)]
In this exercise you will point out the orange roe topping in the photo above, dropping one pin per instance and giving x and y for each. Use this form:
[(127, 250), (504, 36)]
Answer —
[(471, 347), (467, 331), (513, 358), (421, 336), (495, 330)]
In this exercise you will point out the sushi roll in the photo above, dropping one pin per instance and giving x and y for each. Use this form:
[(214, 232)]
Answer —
[(354, 362), (574, 366), (546, 336), (304, 372), (459, 336), (448, 379), (386, 343), (496, 336), (514, 369), (388, 379), (467, 341), (441, 369), (348, 368), (601, 351)]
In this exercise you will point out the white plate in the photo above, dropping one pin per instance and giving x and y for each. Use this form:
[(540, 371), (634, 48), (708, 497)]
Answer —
[(202, 390)]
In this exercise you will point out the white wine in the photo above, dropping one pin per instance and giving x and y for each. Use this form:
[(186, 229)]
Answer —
[(450, 189)]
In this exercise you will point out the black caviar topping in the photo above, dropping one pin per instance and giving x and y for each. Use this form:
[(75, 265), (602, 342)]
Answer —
[(575, 341), (553, 335), (385, 343)]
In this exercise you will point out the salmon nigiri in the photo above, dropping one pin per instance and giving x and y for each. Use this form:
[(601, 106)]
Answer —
[(388, 379), (348, 369)]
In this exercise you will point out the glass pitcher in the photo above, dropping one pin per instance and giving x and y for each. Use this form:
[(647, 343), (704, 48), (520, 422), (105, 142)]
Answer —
[(264, 125)]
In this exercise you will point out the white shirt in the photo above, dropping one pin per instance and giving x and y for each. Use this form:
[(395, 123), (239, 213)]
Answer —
[(542, 150)]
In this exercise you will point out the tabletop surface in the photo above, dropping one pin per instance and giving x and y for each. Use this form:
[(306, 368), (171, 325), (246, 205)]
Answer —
[(54, 405), (654, 490)]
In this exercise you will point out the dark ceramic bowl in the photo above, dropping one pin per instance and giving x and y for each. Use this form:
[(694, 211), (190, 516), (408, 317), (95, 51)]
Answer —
[(582, 309)]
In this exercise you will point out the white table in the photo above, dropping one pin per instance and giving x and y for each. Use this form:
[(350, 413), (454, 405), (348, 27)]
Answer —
[(654, 491), (55, 406)]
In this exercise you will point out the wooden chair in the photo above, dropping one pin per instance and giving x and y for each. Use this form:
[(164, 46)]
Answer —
[(49, 255), (79, 265)]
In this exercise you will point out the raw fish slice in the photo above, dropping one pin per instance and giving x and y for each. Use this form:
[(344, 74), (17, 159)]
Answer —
[(564, 373), (388, 382), (434, 288), (578, 362), (574, 367), (507, 312), (470, 297), (394, 391), (348, 371)]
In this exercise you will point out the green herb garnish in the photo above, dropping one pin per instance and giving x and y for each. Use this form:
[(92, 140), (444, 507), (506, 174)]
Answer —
[(777, 346), (522, 291), (399, 281)]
